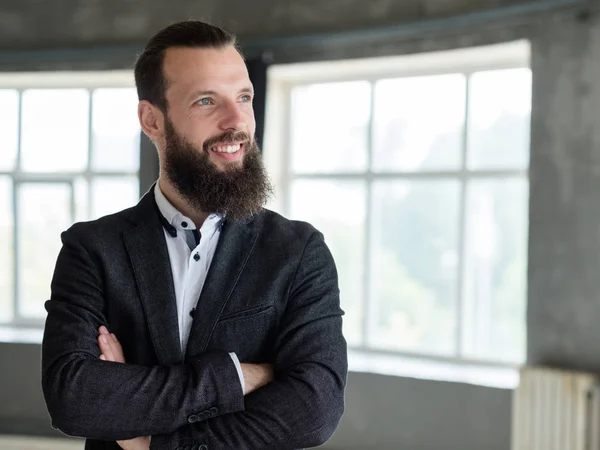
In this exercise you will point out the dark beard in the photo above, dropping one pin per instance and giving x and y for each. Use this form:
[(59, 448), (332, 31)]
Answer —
[(238, 192)]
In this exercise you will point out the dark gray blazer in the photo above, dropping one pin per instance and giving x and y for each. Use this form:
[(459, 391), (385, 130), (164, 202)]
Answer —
[(271, 296)]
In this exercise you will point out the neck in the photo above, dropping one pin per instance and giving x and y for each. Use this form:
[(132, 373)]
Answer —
[(179, 202)]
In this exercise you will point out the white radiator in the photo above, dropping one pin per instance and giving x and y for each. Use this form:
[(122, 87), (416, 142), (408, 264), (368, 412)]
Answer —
[(556, 410)]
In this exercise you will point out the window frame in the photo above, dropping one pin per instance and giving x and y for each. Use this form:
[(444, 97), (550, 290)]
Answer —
[(20, 82), (282, 80)]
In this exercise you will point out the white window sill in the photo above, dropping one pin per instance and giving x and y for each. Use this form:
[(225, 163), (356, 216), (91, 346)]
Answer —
[(426, 369), (21, 335)]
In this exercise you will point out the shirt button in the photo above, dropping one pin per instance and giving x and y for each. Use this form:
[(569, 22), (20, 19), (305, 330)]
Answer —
[(196, 257), (184, 224)]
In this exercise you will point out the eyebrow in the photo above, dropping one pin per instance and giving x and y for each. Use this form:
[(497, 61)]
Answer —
[(201, 93)]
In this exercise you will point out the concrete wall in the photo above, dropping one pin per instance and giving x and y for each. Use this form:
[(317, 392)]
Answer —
[(564, 245), (22, 408), (564, 309), (390, 413)]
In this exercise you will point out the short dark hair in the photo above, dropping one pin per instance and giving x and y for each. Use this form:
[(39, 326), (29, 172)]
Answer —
[(149, 75)]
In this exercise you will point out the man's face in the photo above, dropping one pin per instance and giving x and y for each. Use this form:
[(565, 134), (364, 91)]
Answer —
[(209, 154), (209, 98)]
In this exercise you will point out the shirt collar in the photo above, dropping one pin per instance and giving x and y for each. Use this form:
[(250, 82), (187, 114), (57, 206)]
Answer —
[(173, 220)]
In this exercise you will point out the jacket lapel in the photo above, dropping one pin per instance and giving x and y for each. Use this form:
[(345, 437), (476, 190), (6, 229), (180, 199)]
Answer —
[(235, 245), (149, 256)]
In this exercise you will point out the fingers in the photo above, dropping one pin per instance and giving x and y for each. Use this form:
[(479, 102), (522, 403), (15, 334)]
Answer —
[(117, 349), (110, 347), (105, 348)]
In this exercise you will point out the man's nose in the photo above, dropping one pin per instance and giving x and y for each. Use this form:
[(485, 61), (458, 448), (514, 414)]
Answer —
[(233, 118)]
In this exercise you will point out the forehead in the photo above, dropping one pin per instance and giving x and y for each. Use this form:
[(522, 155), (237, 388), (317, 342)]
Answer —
[(207, 68)]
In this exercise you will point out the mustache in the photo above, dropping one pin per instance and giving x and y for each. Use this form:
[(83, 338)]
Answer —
[(228, 137)]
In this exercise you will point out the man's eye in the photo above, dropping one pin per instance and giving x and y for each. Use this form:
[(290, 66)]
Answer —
[(246, 98), (204, 101)]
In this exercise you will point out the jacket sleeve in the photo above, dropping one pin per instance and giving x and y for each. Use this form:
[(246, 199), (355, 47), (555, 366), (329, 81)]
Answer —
[(97, 399), (303, 406)]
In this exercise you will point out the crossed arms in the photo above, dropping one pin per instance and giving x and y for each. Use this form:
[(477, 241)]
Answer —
[(255, 376), (106, 400)]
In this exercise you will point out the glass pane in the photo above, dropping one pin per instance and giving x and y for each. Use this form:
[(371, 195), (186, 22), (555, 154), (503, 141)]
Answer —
[(337, 209), (414, 242), (9, 128), (82, 199), (496, 269), (499, 119), (7, 275), (330, 127), (44, 213), (115, 130), (419, 123), (111, 195), (55, 130)]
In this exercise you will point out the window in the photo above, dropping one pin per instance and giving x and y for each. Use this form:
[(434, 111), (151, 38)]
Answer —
[(415, 168), (69, 151)]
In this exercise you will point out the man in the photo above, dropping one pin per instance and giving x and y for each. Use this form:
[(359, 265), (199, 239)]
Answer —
[(196, 319)]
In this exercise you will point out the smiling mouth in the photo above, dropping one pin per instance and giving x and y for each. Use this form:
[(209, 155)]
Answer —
[(227, 148)]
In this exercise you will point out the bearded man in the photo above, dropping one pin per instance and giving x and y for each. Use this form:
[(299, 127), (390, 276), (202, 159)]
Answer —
[(197, 319)]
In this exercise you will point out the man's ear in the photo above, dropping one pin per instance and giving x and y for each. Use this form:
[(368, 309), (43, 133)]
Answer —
[(151, 120)]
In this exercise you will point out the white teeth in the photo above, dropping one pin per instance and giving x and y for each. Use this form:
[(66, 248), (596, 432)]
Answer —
[(227, 149)]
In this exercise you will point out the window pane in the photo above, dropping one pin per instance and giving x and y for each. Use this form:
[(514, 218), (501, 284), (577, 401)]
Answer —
[(414, 265), (495, 269), (82, 199), (499, 119), (55, 130), (115, 130), (9, 128), (329, 127), (6, 251), (337, 209), (44, 212), (419, 123), (111, 195)]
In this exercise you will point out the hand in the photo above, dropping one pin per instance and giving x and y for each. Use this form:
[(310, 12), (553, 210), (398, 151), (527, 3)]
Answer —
[(110, 347), (111, 350), (256, 376)]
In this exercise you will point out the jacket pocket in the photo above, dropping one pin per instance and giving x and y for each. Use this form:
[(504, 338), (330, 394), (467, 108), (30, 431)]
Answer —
[(250, 333), (245, 314)]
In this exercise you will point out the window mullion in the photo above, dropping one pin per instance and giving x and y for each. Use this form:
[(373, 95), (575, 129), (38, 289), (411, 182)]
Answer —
[(462, 218), (88, 170), (369, 306), (15, 206), (286, 160)]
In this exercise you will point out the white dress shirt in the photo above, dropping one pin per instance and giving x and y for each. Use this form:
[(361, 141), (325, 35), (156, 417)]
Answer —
[(190, 267)]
